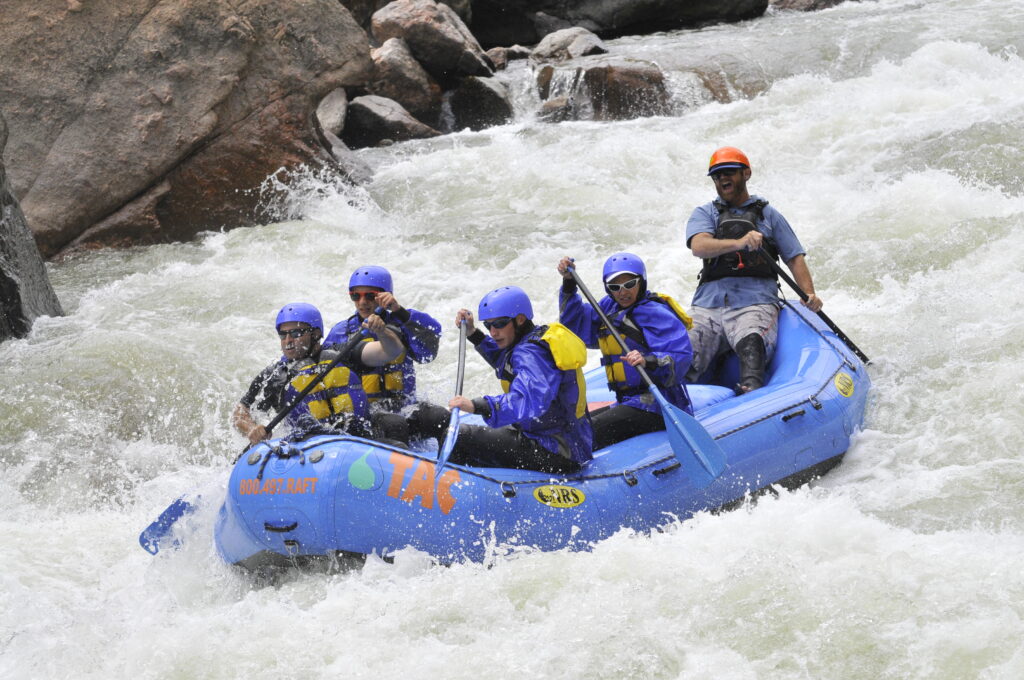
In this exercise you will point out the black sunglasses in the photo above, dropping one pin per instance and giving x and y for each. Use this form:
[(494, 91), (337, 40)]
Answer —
[(628, 285), (498, 323), (371, 296), (724, 172), (294, 333)]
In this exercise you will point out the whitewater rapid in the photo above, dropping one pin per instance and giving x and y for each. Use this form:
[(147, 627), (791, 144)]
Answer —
[(889, 133)]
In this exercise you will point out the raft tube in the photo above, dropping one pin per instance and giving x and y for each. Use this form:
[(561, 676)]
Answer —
[(330, 495)]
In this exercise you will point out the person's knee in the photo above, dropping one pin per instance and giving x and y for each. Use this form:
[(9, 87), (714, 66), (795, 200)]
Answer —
[(753, 358)]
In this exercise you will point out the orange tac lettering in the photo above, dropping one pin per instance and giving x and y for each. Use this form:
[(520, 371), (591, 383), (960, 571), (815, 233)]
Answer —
[(421, 485), (400, 465), (445, 500)]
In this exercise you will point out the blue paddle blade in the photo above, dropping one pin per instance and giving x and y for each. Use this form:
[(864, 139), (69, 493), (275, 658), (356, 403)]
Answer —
[(700, 455), (159, 530), (449, 442)]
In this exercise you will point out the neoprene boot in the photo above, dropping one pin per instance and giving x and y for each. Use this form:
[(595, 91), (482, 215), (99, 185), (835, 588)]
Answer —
[(752, 356)]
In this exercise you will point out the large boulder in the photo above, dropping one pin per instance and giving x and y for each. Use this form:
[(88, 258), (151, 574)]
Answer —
[(398, 76), (148, 120), (506, 22), (373, 119), (479, 103), (568, 43), (25, 290), (437, 37), (610, 89)]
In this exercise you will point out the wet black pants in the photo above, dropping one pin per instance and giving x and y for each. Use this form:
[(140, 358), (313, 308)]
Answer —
[(482, 446), (619, 422)]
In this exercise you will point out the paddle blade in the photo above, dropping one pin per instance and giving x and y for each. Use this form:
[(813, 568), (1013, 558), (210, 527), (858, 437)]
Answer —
[(159, 530), (449, 442), (700, 455)]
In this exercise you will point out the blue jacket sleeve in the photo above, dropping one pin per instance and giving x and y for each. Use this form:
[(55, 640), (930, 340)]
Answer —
[(578, 316), (531, 393), (668, 341), (421, 334)]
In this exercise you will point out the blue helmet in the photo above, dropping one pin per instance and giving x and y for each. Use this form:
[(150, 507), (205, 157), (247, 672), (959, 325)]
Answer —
[(505, 301), (301, 312), (624, 263), (373, 276)]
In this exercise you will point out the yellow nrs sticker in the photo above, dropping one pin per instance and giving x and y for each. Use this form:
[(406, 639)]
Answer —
[(844, 383), (558, 496)]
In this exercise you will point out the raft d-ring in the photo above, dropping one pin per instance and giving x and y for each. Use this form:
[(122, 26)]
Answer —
[(815, 403), (508, 490), (630, 478)]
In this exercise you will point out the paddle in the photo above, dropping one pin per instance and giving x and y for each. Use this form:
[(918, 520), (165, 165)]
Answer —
[(699, 454), (155, 533), (453, 423), (821, 315)]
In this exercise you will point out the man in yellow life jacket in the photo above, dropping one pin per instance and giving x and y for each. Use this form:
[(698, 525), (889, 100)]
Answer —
[(654, 329), (540, 422), (338, 402)]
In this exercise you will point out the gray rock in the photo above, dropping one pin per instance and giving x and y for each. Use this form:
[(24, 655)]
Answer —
[(398, 76), (616, 89), (373, 119), (331, 110), (479, 103), (437, 37), (500, 56), (25, 290), (568, 43)]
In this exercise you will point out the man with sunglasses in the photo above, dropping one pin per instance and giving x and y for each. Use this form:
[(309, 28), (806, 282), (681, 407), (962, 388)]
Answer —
[(736, 303), (540, 422), (338, 402), (392, 386), (654, 329)]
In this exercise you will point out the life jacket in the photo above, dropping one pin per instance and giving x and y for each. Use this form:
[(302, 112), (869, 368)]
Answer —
[(739, 263), (568, 352), (624, 379), (337, 395)]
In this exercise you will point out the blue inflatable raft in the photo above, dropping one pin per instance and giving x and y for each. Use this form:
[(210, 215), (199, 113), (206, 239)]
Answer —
[(290, 503)]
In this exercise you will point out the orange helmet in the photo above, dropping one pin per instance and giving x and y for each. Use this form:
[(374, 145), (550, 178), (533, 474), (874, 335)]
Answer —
[(727, 157)]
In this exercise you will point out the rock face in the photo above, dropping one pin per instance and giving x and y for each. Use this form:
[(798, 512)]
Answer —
[(148, 120), (479, 103), (506, 22), (25, 290)]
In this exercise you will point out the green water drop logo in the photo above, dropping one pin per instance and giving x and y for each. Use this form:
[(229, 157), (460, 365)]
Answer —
[(361, 475)]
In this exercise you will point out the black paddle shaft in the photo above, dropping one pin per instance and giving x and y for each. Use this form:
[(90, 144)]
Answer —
[(821, 315), (607, 322)]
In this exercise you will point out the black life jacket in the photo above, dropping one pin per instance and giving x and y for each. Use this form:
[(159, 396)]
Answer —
[(740, 263)]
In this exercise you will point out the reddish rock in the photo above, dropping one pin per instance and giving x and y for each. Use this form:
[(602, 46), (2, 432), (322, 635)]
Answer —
[(398, 76), (624, 90), (115, 102), (437, 37)]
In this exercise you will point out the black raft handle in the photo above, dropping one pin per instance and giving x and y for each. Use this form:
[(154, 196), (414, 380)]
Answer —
[(665, 470), (280, 530)]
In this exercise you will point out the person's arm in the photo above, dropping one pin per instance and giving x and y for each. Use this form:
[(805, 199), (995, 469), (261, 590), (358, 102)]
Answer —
[(385, 348), (421, 332), (670, 351), (802, 275), (530, 394), (243, 421), (573, 313), (706, 246)]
